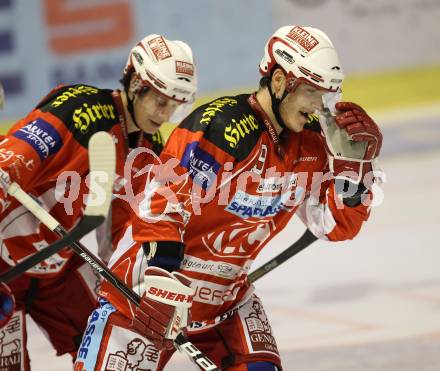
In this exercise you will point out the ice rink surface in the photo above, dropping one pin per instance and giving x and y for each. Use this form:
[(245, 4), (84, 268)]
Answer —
[(371, 304)]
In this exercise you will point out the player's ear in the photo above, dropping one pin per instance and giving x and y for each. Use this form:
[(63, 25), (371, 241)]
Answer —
[(278, 82)]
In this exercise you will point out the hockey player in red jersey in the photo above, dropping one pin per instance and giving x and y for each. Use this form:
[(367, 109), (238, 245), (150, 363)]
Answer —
[(46, 154), (231, 176)]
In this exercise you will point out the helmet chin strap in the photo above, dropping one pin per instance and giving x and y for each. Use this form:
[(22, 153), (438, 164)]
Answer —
[(135, 89), (276, 106), (130, 110)]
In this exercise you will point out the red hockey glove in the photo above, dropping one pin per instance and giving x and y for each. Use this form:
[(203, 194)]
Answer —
[(165, 307), (360, 127), (353, 142), (7, 304)]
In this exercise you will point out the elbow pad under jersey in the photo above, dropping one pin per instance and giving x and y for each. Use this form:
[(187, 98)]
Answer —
[(164, 254)]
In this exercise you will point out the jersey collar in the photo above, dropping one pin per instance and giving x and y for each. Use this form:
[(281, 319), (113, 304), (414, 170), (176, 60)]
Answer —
[(256, 106)]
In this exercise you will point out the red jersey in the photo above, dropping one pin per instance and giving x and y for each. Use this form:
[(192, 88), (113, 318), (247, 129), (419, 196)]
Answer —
[(226, 186), (46, 154)]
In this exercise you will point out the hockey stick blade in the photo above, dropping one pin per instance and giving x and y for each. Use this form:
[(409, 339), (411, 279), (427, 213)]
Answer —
[(102, 164), (305, 240)]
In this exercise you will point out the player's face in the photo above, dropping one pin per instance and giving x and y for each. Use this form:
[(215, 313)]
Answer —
[(152, 109), (297, 106)]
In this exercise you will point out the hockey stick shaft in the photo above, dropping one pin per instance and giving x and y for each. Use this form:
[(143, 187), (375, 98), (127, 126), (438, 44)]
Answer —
[(181, 341), (305, 240), (85, 226)]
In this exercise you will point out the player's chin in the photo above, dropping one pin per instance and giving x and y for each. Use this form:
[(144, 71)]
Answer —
[(297, 126), (151, 127)]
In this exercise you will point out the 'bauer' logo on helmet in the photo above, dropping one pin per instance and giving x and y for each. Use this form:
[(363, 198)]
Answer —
[(303, 38)]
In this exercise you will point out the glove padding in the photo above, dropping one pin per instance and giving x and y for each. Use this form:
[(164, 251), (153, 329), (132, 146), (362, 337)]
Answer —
[(353, 142), (164, 310), (360, 127), (7, 304)]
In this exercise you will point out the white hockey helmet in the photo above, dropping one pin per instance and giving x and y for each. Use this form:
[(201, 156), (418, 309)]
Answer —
[(165, 66), (306, 54)]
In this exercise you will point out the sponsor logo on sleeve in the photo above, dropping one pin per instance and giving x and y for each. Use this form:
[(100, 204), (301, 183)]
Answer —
[(42, 136), (202, 167)]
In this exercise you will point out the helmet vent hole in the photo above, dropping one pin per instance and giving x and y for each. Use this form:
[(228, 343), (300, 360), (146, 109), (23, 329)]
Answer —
[(185, 79)]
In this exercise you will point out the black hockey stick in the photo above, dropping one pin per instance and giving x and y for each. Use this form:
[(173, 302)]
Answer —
[(102, 160), (181, 341), (305, 240)]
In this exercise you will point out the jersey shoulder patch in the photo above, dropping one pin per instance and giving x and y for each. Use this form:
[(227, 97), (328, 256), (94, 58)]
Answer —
[(84, 110), (229, 123)]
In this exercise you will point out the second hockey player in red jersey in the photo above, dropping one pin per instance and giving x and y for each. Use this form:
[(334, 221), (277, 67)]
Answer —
[(46, 154), (231, 176)]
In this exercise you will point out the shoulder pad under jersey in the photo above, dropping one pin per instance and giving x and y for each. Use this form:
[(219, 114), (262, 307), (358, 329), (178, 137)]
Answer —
[(229, 123), (84, 109)]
